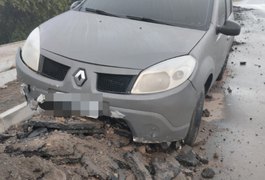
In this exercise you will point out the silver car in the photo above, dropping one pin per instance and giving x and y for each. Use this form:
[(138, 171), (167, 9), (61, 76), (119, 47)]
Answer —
[(148, 62)]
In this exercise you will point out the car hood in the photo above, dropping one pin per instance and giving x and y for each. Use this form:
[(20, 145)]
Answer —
[(116, 42)]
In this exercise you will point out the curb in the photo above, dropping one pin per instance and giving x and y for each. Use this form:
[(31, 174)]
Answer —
[(14, 116), (7, 76)]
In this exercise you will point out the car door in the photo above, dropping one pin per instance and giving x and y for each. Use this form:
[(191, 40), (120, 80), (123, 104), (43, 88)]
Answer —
[(222, 44), (229, 16)]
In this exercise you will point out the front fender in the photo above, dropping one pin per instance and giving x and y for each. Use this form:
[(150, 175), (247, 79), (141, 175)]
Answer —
[(203, 70)]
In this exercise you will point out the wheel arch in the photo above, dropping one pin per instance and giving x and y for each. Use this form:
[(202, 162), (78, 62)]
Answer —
[(203, 76)]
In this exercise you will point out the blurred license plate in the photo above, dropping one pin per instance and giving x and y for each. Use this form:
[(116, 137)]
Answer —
[(68, 104)]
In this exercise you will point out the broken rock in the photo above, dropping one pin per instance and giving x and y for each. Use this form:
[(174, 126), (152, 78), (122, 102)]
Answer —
[(165, 168), (243, 63), (38, 132), (20, 167), (187, 157), (208, 173), (203, 160), (182, 176), (92, 169), (206, 113), (136, 163), (229, 90)]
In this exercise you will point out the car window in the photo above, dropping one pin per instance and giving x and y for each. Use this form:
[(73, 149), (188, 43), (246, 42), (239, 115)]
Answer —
[(229, 8), (184, 13), (222, 12)]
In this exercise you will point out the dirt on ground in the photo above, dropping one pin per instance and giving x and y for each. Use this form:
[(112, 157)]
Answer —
[(46, 147), (82, 148)]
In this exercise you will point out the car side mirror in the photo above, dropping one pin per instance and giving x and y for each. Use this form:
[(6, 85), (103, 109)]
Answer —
[(230, 28), (75, 4)]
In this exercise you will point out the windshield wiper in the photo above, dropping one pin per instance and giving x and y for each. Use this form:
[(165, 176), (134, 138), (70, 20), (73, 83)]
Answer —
[(148, 20), (97, 11)]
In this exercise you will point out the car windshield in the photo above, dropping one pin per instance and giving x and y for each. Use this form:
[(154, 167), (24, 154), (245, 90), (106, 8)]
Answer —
[(194, 14)]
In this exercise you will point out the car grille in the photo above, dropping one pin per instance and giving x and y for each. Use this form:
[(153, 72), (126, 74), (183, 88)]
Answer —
[(111, 83), (52, 69)]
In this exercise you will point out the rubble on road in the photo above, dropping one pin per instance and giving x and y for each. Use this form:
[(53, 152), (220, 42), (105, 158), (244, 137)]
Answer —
[(206, 113), (208, 173), (187, 157), (84, 148), (243, 63)]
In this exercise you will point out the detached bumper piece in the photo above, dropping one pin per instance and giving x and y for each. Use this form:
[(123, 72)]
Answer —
[(66, 104)]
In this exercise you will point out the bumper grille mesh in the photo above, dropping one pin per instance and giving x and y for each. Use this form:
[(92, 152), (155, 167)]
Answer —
[(111, 83), (52, 69)]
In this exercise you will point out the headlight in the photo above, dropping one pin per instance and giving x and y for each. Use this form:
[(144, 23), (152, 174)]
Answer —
[(164, 76), (31, 50)]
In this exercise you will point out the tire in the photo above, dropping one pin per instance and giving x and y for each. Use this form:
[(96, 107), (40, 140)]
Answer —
[(221, 74), (195, 121)]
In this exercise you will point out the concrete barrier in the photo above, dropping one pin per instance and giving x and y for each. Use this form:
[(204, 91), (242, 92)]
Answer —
[(8, 63), (14, 116), (7, 76)]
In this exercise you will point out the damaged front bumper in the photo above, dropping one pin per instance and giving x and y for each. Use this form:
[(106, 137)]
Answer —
[(65, 104), (152, 118)]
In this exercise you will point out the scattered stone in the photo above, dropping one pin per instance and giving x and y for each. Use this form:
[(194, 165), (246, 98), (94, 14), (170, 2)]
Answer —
[(187, 157), (128, 148), (131, 177), (165, 168), (38, 132), (208, 173), (187, 172), (210, 97), (199, 142), (259, 66), (137, 165), (202, 148), (203, 160), (165, 146), (109, 143), (4, 137), (20, 167), (92, 169), (142, 149), (236, 43), (215, 155), (243, 63), (178, 145), (206, 113), (121, 164), (181, 176), (229, 90)]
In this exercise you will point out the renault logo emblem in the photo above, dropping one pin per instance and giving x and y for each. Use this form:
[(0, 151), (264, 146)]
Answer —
[(80, 77)]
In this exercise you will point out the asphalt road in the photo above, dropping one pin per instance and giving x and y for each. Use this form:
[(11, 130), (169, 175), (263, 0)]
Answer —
[(238, 110)]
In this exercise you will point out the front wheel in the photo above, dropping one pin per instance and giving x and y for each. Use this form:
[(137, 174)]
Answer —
[(195, 121)]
